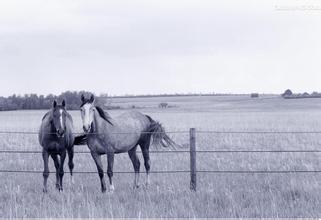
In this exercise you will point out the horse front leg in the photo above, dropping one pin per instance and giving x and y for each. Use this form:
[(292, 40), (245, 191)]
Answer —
[(110, 166), (61, 168), (56, 162), (97, 159), (45, 157)]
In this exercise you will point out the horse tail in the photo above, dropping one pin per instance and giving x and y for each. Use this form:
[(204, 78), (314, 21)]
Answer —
[(80, 140), (159, 136)]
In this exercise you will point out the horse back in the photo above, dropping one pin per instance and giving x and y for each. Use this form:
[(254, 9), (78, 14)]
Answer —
[(132, 120)]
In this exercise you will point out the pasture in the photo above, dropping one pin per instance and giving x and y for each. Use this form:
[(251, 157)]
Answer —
[(218, 195)]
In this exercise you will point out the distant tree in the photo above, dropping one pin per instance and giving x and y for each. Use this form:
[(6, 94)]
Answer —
[(287, 92), (254, 95)]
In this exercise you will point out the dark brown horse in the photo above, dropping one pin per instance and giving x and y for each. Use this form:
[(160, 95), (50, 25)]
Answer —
[(56, 137), (106, 135)]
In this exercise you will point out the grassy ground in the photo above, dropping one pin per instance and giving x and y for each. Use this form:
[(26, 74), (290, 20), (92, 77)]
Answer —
[(218, 195)]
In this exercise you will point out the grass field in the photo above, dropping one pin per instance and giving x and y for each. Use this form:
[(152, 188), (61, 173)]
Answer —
[(218, 195)]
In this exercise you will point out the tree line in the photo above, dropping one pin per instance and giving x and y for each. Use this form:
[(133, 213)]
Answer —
[(288, 94), (34, 101)]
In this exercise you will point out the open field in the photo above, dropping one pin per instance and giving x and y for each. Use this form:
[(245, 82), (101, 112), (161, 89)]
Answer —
[(218, 195)]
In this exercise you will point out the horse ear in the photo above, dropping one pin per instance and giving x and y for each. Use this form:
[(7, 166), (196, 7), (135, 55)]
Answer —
[(82, 98), (92, 98), (63, 103), (54, 104)]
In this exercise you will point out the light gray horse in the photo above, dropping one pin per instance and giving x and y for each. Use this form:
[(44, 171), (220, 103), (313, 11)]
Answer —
[(106, 135), (56, 137)]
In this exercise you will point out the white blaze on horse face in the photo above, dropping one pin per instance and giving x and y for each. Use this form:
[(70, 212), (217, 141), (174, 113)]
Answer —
[(60, 117), (87, 116)]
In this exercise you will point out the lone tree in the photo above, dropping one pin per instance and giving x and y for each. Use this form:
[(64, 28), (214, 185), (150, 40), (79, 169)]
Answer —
[(287, 92)]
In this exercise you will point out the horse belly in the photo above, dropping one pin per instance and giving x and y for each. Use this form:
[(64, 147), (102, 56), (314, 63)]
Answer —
[(97, 146), (125, 143)]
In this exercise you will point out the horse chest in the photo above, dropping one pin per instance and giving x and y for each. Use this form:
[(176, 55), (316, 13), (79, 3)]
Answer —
[(99, 146), (56, 145)]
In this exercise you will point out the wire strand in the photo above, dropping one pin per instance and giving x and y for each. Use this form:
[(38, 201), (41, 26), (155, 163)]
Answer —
[(179, 132), (178, 171), (179, 151)]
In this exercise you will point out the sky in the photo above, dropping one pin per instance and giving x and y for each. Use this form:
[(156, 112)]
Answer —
[(151, 47)]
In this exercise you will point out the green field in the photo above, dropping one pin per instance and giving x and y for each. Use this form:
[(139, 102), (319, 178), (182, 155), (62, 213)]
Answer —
[(218, 195)]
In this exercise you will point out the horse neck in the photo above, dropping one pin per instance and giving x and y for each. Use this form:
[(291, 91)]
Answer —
[(100, 125), (48, 124)]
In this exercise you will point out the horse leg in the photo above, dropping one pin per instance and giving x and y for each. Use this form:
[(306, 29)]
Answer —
[(110, 166), (56, 162), (145, 150), (133, 156), (97, 159), (70, 162), (61, 168), (45, 157)]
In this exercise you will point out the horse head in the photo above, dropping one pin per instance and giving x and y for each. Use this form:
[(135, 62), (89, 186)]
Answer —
[(87, 109), (59, 115)]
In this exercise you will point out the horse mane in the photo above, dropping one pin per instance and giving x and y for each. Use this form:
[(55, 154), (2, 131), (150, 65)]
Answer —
[(104, 114), (43, 118)]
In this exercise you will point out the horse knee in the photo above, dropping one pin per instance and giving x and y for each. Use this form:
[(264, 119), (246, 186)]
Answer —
[(61, 173), (71, 165), (45, 174), (110, 173), (101, 174), (137, 166), (147, 165)]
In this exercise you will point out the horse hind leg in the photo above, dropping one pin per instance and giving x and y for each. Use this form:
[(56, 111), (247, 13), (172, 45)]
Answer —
[(144, 145), (71, 163), (56, 162), (110, 167), (136, 164)]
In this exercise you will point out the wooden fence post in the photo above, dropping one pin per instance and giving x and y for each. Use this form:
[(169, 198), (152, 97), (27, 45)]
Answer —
[(193, 158)]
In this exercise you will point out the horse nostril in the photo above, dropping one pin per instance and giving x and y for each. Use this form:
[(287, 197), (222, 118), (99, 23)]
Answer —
[(86, 128), (60, 132)]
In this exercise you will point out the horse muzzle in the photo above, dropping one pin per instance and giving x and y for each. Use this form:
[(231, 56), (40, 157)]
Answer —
[(86, 129), (60, 133)]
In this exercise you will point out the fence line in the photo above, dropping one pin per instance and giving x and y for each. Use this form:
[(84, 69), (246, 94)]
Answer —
[(81, 133), (179, 132), (178, 151), (93, 172), (192, 151), (259, 132), (177, 171)]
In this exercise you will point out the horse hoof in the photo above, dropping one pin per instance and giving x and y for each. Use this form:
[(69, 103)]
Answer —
[(45, 191), (58, 186), (72, 181), (61, 189), (111, 189), (103, 190)]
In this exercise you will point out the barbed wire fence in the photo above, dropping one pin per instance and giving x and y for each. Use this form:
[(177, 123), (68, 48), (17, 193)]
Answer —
[(192, 152)]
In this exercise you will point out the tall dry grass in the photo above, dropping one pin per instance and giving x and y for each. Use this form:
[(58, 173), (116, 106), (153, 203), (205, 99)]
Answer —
[(218, 195)]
